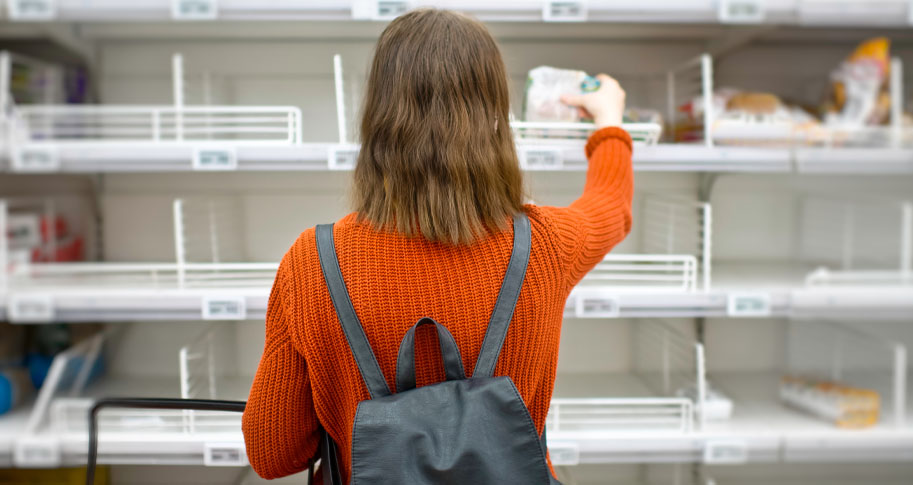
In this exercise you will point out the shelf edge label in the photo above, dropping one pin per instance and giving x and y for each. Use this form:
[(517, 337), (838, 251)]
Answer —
[(564, 11), (741, 11), (564, 453), (725, 452), (220, 307), (379, 9), (748, 304), (35, 158), (541, 158), (194, 9), (36, 452), (224, 454), (32, 10), (30, 308), (215, 158), (342, 157), (596, 306)]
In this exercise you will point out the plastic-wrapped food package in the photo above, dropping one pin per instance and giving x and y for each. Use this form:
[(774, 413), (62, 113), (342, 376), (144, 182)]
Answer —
[(845, 406), (544, 87), (859, 89)]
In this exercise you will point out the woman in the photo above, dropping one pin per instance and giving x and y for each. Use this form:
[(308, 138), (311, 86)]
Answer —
[(435, 188)]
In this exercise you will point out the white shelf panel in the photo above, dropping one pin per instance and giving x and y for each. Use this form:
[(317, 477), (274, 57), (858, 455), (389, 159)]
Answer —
[(138, 157), (879, 13), (758, 412), (114, 157), (98, 300), (766, 429)]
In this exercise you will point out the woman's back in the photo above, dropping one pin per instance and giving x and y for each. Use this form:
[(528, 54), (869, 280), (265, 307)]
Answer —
[(308, 376), (436, 186)]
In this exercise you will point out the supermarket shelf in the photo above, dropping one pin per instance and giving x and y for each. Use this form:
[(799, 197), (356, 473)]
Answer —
[(759, 414), (780, 286), (569, 156), (788, 294), (829, 12), (761, 430), (854, 160)]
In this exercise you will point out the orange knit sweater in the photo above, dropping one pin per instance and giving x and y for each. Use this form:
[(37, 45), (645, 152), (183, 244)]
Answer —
[(307, 376)]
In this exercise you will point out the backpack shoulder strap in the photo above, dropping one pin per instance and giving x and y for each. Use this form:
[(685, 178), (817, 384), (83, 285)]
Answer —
[(507, 299), (351, 327)]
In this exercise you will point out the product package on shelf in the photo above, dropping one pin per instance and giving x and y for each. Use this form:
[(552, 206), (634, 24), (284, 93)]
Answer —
[(855, 112), (35, 237), (546, 116), (845, 406)]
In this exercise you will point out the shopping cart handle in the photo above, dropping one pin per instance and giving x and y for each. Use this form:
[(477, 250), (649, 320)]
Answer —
[(147, 403)]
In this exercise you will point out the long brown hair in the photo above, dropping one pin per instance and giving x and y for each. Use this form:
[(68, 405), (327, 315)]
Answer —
[(437, 154)]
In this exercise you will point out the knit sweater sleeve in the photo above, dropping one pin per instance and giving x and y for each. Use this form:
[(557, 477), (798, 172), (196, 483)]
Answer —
[(280, 423), (601, 218)]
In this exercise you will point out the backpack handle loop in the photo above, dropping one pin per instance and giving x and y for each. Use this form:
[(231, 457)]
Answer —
[(405, 361)]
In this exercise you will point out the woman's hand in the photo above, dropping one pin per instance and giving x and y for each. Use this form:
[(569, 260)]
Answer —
[(605, 106)]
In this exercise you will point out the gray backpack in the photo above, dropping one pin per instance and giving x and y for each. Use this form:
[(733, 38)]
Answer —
[(463, 430)]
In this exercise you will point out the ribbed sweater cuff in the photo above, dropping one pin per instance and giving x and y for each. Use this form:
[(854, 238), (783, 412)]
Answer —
[(604, 134)]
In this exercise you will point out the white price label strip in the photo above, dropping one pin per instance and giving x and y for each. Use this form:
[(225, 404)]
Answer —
[(35, 158), (748, 305), (564, 11), (342, 157), (217, 307), (224, 454), (30, 308), (194, 9), (597, 306), (32, 9), (215, 158), (741, 11), (536, 158), (725, 452)]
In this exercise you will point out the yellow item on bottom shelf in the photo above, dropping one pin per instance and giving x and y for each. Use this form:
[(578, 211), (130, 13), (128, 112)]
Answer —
[(56, 476), (847, 407)]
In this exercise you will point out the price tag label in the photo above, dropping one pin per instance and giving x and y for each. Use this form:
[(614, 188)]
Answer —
[(342, 157), (194, 9), (224, 308), (35, 453), (390, 9), (379, 9), (536, 158), (748, 305), (30, 308), (597, 306), (563, 453), (725, 452), (224, 454), (564, 11), (741, 11), (35, 158), (36, 10), (215, 158)]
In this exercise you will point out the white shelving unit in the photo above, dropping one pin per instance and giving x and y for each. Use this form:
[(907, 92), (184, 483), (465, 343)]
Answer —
[(755, 253), (105, 138)]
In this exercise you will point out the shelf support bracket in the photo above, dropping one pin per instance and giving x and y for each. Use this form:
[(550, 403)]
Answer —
[(705, 186)]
